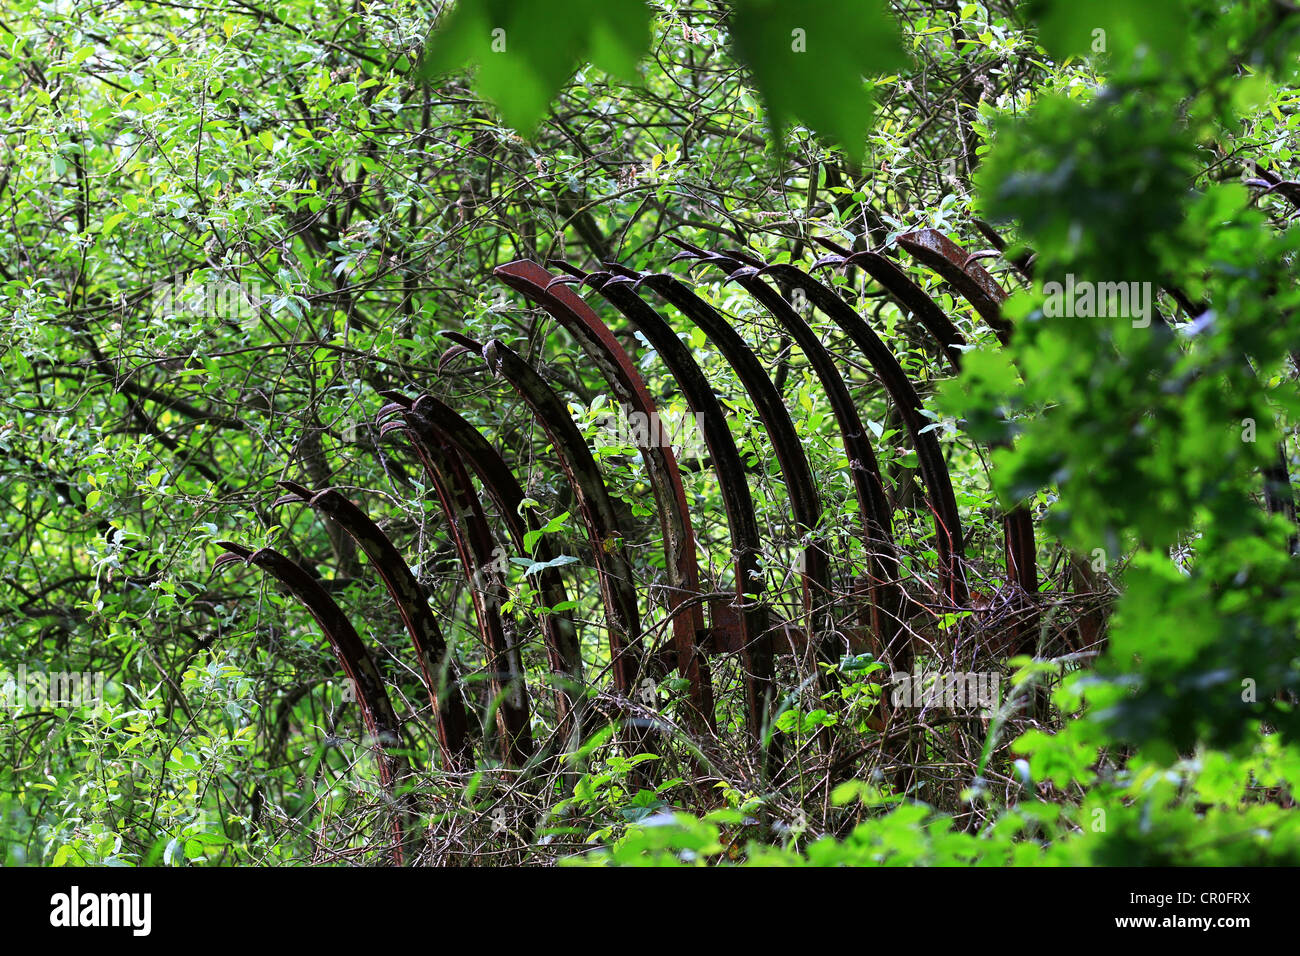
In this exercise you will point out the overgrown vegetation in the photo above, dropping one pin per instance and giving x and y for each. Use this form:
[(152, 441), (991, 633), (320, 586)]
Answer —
[(229, 228)]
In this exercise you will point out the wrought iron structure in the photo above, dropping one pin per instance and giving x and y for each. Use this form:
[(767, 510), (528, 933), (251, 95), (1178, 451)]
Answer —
[(703, 625)]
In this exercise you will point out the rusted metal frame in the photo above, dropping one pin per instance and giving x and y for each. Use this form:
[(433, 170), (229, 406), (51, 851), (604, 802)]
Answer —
[(887, 605), (430, 647), (864, 472), (1081, 574), (1018, 532), (1082, 578), (757, 646), (904, 291), (595, 507), (476, 549), (895, 636), (979, 288), (934, 470), (559, 632), (932, 466), (690, 634), (376, 709), (805, 501), (963, 272), (982, 291)]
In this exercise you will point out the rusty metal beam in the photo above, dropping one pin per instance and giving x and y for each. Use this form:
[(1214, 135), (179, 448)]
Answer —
[(975, 284), (686, 614), (888, 604), (746, 545), (932, 466), (963, 272), (376, 709), (478, 555), (559, 632), (904, 291), (595, 507), (805, 500), (437, 666), (884, 599)]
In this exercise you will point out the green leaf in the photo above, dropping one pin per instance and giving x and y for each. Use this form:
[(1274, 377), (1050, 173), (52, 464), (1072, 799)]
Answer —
[(111, 222), (555, 524), (1118, 27), (808, 61), (526, 52)]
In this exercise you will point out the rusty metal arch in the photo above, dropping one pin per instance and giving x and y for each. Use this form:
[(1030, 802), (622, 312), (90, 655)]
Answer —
[(884, 597), (747, 272), (427, 414), (477, 550), (978, 287), (805, 500), (691, 636), (950, 538), (756, 644), (431, 651), (595, 508), (352, 654)]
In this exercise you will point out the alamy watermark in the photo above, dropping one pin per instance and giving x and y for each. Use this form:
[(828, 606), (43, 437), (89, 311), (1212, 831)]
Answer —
[(75, 909), (681, 431), (1103, 300), (35, 690), (966, 690), (217, 298)]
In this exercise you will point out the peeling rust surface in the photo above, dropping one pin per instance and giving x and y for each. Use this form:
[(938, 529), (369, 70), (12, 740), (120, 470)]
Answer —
[(963, 272)]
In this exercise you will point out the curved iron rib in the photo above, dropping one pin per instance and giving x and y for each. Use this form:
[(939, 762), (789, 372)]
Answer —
[(805, 501), (430, 647), (933, 468), (883, 572), (376, 708), (613, 572), (558, 630), (756, 639), (963, 272), (865, 470), (477, 551), (981, 290), (905, 292), (686, 613)]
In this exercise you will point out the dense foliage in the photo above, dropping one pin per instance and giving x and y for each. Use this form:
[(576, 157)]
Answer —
[(229, 227)]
